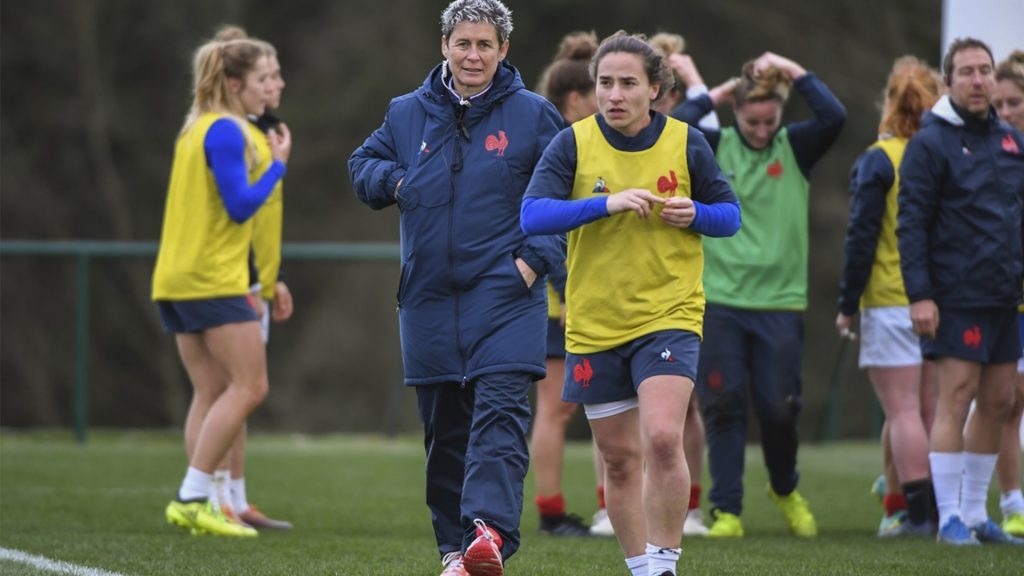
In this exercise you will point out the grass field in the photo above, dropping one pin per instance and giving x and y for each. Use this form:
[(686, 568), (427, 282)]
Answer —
[(357, 504)]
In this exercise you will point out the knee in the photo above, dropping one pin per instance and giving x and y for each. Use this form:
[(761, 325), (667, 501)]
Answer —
[(620, 462), (958, 395), (781, 411), (665, 445), (994, 408), (256, 393), (723, 412)]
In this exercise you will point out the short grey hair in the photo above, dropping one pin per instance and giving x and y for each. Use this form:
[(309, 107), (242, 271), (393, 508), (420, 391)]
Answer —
[(491, 12)]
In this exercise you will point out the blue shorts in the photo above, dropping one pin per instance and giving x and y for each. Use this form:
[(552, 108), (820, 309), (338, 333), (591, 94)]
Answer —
[(556, 338), (191, 316), (615, 374), (983, 335)]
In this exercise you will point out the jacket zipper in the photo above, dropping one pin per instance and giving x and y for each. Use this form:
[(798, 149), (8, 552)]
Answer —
[(451, 253)]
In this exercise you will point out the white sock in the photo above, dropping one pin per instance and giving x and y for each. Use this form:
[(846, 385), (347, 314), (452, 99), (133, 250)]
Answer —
[(661, 560), (219, 489), (637, 565), (978, 470), (947, 474), (238, 499), (1011, 503), (195, 486)]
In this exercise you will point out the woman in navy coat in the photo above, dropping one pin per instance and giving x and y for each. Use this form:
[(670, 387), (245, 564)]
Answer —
[(456, 156)]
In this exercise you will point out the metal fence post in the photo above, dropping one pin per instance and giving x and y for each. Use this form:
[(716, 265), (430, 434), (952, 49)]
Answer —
[(85, 250), (82, 348)]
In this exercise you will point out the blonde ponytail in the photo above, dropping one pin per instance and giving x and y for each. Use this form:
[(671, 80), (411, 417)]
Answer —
[(214, 63), (770, 84)]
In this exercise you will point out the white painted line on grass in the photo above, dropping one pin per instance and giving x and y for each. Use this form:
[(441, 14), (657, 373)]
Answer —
[(43, 563)]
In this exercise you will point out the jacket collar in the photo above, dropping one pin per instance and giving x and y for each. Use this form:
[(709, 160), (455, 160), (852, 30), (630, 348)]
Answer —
[(954, 115), (439, 99)]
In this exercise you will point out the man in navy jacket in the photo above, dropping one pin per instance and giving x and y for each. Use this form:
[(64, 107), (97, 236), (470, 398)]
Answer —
[(456, 156), (959, 232)]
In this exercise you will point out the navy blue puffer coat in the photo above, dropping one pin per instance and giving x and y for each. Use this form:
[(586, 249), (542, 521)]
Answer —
[(464, 308)]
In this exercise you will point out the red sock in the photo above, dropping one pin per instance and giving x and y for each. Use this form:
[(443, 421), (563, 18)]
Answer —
[(694, 496), (600, 497), (551, 505), (894, 503)]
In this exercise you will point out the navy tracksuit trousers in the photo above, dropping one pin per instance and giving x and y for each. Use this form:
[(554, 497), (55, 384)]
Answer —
[(477, 456), (764, 348)]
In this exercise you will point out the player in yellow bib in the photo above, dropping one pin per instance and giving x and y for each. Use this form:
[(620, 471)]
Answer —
[(567, 84), (872, 283), (1008, 101), (223, 171), (268, 286), (635, 191)]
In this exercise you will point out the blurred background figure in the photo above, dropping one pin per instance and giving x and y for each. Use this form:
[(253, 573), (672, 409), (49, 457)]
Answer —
[(756, 284), (1008, 100), (871, 282), (688, 84), (567, 84), (224, 170), (267, 284)]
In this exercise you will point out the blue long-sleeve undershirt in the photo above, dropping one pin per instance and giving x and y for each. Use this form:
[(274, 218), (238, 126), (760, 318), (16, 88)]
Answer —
[(225, 154), (553, 216), (546, 207)]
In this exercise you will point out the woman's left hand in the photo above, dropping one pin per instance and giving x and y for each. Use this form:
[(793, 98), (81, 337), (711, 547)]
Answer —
[(529, 276), (679, 211), (283, 305)]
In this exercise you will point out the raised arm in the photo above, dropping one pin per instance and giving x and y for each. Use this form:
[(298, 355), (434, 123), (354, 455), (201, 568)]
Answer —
[(225, 147), (812, 138)]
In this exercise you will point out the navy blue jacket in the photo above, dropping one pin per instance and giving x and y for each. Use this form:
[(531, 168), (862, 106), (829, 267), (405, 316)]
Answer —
[(959, 223), (464, 308)]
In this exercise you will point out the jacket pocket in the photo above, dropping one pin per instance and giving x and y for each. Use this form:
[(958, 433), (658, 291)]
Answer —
[(518, 280), (413, 197), (426, 185), (403, 279)]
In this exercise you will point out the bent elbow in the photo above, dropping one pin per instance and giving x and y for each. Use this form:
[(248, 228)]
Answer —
[(237, 217)]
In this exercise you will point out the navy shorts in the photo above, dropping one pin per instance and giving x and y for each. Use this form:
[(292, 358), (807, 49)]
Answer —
[(983, 335), (614, 375), (556, 338), (192, 316)]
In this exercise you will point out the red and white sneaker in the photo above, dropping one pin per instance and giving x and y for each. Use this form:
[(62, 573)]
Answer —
[(483, 557), (229, 513), (453, 565), (260, 521)]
